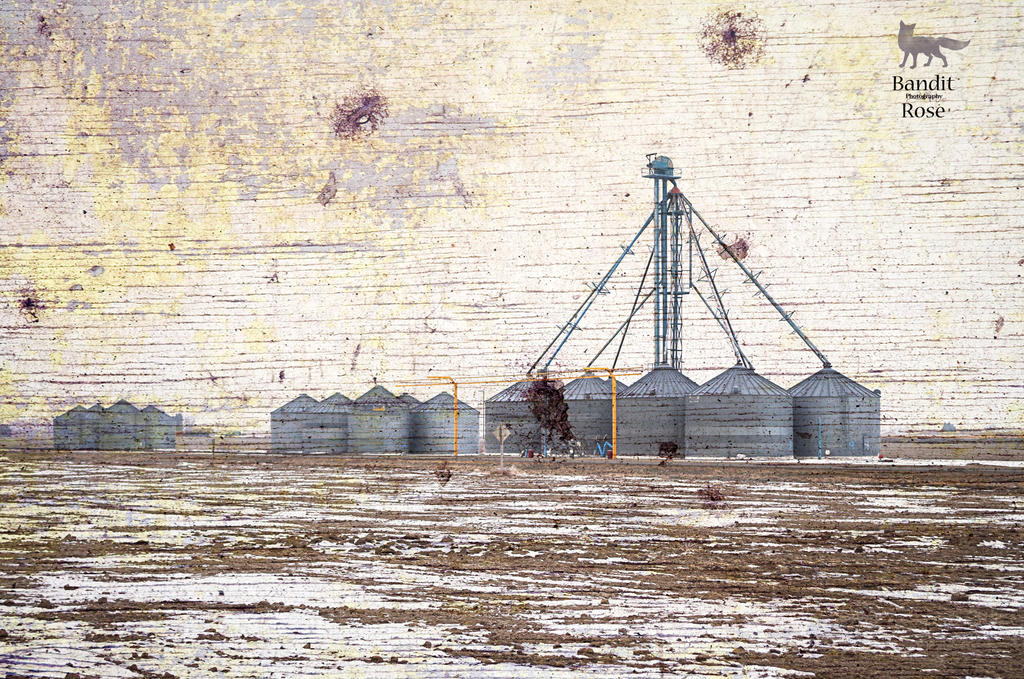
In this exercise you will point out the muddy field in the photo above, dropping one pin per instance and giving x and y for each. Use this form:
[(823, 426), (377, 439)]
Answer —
[(127, 565)]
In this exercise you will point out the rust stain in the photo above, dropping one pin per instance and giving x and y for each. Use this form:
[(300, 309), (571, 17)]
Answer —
[(359, 114), (43, 28), (740, 249), (30, 305), (733, 39), (329, 191)]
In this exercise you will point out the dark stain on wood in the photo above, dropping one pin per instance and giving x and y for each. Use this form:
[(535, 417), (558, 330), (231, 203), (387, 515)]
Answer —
[(30, 305), (733, 39), (359, 114), (329, 191), (740, 249)]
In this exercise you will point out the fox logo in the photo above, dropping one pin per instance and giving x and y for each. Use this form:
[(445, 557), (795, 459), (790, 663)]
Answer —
[(918, 44)]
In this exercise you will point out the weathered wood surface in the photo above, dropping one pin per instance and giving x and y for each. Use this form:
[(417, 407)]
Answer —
[(163, 169)]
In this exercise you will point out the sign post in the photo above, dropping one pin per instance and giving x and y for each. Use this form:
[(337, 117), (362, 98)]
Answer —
[(501, 433)]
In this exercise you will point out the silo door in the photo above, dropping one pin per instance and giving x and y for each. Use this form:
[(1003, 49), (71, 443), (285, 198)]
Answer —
[(864, 443)]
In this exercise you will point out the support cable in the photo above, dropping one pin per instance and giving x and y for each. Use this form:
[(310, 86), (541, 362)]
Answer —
[(788, 317), (575, 319)]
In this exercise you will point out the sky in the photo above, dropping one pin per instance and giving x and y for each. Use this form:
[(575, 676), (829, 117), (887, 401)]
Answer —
[(214, 207)]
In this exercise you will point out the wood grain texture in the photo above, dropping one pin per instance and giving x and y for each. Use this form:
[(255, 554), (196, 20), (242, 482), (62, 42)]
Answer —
[(506, 174)]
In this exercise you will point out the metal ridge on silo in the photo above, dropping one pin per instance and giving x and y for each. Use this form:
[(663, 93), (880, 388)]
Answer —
[(740, 380), (662, 381), (333, 403), (829, 383), (377, 394), (443, 401), (587, 388), (515, 392), (300, 404)]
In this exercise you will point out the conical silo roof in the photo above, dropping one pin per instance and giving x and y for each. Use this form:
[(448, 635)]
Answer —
[(303, 403), (122, 406), (587, 388), (95, 408), (443, 402), (740, 380), (332, 403), (377, 394), (662, 381), (409, 399), (829, 383), (516, 392), (153, 409)]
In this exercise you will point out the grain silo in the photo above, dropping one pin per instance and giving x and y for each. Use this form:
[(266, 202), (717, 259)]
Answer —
[(511, 407), (91, 426), (65, 437), (832, 413), (290, 429), (589, 400), (159, 430), (739, 413), (120, 429), (433, 427), (652, 411), (329, 422), (378, 423)]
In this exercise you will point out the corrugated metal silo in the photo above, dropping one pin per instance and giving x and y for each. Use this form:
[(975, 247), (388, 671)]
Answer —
[(590, 410), (652, 411), (63, 434), (330, 425), (120, 429), (91, 427), (290, 429), (68, 431), (847, 414), (433, 427), (739, 412), (378, 423), (160, 428), (509, 406)]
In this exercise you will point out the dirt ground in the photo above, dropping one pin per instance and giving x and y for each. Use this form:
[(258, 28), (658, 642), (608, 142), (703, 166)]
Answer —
[(162, 565)]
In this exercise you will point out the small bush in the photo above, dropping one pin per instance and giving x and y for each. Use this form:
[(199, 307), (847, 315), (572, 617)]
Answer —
[(712, 496)]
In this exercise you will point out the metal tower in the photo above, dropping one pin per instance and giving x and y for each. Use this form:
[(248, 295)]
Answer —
[(671, 207), (668, 264)]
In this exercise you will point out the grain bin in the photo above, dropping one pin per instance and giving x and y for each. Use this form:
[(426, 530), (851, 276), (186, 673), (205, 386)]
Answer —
[(329, 425), (290, 428), (378, 423), (433, 427), (739, 413), (590, 410), (65, 436), (91, 425), (652, 411), (509, 406), (159, 430), (120, 428), (846, 414)]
